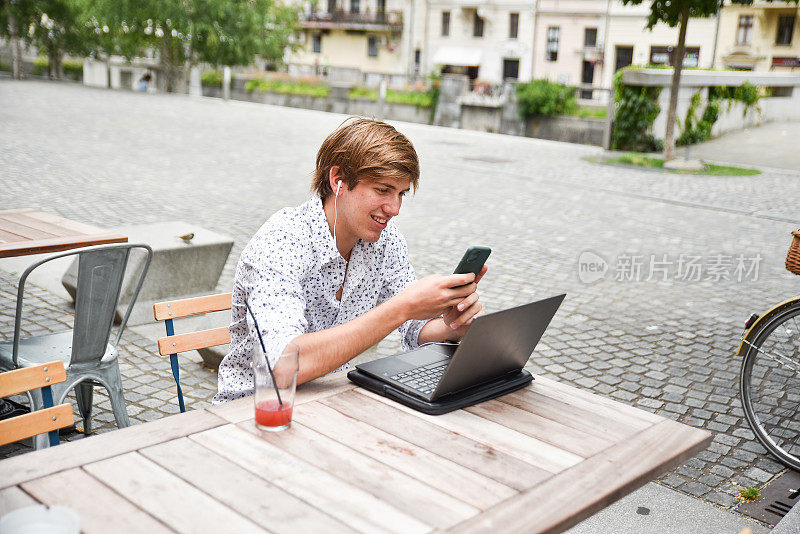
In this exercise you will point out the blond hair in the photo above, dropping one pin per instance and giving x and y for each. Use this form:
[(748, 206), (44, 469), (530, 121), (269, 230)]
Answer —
[(364, 149)]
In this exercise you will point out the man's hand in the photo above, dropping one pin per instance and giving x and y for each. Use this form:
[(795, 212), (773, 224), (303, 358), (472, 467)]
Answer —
[(435, 295), (460, 316)]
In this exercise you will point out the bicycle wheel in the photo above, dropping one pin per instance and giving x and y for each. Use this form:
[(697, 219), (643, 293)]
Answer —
[(769, 385)]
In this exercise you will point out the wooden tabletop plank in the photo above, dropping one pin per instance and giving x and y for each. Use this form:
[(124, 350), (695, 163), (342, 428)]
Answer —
[(74, 227), (100, 509), (579, 418), (582, 443), (580, 397), (471, 454), (250, 495), (27, 232), (575, 494), (507, 440), (416, 498), (357, 508), (8, 237), (30, 220), (74, 454), (243, 409), (13, 498), (441, 473), (173, 501)]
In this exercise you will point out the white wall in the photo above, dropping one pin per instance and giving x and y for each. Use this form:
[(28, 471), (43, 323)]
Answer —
[(495, 45)]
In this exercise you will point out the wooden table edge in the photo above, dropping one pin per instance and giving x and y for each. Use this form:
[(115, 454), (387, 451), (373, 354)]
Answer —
[(58, 244), (479, 523)]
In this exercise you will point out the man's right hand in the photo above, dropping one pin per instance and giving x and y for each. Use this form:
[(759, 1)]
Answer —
[(435, 295)]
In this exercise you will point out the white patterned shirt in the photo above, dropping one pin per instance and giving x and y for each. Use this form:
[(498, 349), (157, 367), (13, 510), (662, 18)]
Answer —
[(290, 272)]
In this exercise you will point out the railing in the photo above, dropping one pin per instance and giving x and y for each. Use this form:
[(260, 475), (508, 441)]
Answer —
[(392, 19)]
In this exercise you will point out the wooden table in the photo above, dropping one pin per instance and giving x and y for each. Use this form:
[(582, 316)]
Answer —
[(537, 460), (28, 231)]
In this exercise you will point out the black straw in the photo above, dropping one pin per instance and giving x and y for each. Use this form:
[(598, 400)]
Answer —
[(266, 357)]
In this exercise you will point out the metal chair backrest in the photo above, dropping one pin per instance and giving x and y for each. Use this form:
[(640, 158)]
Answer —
[(49, 419), (101, 271), (174, 344)]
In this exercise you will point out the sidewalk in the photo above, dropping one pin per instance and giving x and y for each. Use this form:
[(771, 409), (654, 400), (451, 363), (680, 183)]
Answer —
[(772, 145)]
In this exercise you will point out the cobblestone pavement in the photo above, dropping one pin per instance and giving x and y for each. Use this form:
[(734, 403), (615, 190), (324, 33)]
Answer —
[(656, 341)]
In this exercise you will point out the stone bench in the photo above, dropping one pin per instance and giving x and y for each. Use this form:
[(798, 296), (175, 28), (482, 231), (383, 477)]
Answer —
[(180, 267)]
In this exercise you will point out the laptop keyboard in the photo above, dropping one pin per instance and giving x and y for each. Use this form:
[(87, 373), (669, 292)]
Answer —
[(423, 379)]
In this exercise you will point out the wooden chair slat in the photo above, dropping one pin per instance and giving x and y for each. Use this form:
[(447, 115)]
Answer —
[(38, 422), (176, 309), (27, 378), (193, 340)]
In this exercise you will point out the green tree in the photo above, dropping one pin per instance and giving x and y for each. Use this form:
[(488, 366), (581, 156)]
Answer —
[(15, 18), (184, 32), (677, 13), (59, 27)]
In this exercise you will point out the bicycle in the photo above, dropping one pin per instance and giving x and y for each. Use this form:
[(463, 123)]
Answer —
[(769, 382)]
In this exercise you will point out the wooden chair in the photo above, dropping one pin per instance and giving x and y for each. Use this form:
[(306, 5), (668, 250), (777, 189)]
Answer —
[(50, 418), (173, 344)]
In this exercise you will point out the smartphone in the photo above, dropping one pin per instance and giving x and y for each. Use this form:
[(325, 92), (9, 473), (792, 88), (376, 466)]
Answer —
[(473, 260)]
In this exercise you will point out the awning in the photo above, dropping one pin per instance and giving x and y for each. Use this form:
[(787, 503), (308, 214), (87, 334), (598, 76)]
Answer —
[(454, 55)]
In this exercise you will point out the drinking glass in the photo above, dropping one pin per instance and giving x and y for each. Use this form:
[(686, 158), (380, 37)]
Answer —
[(274, 393)]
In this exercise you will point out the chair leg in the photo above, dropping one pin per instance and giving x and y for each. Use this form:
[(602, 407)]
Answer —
[(84, 395), (115, 394)]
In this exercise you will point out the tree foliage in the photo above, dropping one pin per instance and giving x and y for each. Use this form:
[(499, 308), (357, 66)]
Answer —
[(220, 32)]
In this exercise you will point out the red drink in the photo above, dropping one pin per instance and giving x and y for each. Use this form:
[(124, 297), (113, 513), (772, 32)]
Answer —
[(270, 413)]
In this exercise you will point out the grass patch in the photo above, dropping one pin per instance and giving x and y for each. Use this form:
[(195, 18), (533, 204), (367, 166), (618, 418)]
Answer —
[(638, 160), (749, 494), (589, 111)]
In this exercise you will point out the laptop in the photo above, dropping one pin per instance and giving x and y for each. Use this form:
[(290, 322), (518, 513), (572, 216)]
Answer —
[(494, 351)]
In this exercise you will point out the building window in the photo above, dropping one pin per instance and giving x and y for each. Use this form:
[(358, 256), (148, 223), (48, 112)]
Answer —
[(590, 37), (372, 47), (745, 30), (477, 26), (510, 69), (316, 40), (417, 59), (552, 43), (331, 6), (354, 6), (445, 23), (513, 25), (785, 30)]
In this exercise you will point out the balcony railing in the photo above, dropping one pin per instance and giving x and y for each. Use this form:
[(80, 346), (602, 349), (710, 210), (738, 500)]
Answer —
[(392, 20)]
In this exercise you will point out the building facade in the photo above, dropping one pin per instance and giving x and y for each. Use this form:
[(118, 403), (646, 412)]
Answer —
[(584, 42), (362, 41), (489, 41), (764, 36)]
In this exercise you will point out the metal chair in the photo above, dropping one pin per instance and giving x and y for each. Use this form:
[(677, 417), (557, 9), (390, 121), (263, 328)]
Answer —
[(88, 356)]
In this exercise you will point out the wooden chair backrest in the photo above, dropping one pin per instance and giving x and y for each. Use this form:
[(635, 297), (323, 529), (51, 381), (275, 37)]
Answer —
[(40, 421), (175, 309)]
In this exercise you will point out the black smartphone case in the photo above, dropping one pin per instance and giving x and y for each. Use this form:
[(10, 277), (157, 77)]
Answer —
[(454, 401)]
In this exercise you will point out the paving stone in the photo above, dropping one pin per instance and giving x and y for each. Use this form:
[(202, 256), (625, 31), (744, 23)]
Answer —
[(682, 369)]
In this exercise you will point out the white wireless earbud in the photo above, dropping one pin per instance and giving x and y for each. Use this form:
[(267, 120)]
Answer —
[(335, 212)]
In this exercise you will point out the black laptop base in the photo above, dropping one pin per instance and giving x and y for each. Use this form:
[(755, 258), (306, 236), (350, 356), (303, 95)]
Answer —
[(462, 399)]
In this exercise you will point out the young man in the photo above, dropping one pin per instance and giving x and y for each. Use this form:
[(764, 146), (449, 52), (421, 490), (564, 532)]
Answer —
[(314, 275)]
